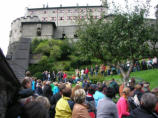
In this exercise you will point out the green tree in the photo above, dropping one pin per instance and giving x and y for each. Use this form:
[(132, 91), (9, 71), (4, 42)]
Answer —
[(124, 37)]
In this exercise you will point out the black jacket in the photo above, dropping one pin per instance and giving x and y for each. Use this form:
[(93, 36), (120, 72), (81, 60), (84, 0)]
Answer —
[(142, 113)]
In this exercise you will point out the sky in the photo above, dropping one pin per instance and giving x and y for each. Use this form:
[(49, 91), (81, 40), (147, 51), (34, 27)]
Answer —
[(12, 9)]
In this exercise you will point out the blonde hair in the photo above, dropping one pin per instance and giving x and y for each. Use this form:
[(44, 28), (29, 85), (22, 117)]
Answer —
[(44, 101), (79, 96), (126, 91)]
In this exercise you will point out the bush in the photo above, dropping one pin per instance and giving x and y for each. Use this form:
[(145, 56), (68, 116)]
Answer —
[(38, 75)]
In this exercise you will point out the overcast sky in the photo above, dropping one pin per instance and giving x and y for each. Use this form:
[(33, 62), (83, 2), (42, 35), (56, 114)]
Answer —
[(12, 9)]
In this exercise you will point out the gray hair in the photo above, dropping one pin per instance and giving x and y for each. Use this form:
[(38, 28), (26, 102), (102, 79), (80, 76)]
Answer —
[(79, 96), (148, 101)]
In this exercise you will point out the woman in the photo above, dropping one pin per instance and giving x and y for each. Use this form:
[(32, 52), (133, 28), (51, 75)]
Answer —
[(122, 104), (80, 109)]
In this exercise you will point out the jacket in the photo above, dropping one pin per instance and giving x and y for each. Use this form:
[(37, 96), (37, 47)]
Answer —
[(97, 96), (122, 107), (80, 111), (107, 108), (63, 109), (142, 113)]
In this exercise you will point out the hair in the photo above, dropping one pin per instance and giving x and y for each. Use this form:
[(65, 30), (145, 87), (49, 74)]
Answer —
[(109, 92), (148, 101), (74, 89), (28, 74), (79, 96), (24, 82), (126, 91), (66, 92), (34, 109), (155, 91), (138, 87), (91, 90), (44, 101), (100, 87)]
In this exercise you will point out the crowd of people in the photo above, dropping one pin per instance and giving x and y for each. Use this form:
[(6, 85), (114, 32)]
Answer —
[(104, 70), (48, 99)]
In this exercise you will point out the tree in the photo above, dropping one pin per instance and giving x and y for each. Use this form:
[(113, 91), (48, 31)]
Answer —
[(154, 34), (124, 37)]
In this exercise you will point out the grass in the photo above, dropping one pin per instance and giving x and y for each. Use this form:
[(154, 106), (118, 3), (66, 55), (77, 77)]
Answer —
[(147, 75)]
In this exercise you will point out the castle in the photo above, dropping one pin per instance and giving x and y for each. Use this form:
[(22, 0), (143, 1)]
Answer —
[(45, 23)]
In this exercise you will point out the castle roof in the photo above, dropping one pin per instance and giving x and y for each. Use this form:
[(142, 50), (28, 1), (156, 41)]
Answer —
[(67, 7)]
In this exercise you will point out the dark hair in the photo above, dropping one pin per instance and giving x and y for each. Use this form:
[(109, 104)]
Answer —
[(109, 92), (100, 87), (24, 82), (91, 90), (66, 92), (34, 109)]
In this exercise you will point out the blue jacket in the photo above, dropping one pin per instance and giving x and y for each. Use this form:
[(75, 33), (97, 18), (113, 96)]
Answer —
[(97, 96)]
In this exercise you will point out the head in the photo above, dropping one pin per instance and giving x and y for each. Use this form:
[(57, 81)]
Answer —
[(155, 91), (91, 90), (126, 91), (148, 101), (74, 89), (44, 101), (109, 92), (100, 87), (26, 83), (28, 74), (138, 87), (34, 109), (79, 96), (66, 91)]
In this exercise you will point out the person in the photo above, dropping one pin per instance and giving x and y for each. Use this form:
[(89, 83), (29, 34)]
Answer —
[(155, 91), (98, 94), (47, 91), (113, 84), (106, 107), (65, 77), (53, 76), (138, 94), (44, 101), (80, 109), (144, 65), (55, 88), (54, 99), (65, 105), (34, 109), (86, 72), (92, 71), (74, 89), (39, 88), (90, 101), (122, 104), (96, 69), (148, 103), (155, 62)]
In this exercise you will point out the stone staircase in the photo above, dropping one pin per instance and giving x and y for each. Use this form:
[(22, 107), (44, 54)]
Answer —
[(18, 56)]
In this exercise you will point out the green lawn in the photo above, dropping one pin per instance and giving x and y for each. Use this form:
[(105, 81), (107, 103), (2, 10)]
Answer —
[(147, 75)]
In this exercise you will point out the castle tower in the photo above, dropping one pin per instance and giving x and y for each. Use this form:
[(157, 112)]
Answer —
[(104, 3)]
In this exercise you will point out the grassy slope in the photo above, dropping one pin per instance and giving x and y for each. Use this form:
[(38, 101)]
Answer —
[(148, 75)]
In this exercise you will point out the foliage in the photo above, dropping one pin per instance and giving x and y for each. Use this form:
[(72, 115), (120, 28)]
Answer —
[(123, 37), (38, 75)]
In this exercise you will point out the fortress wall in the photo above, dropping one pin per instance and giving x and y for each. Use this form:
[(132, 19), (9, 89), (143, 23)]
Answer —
[(65, 16)]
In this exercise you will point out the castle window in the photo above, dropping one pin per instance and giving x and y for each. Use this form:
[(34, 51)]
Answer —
[(54, 11), (54, 18), (61, 18), (45, 12), (38, 31)]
